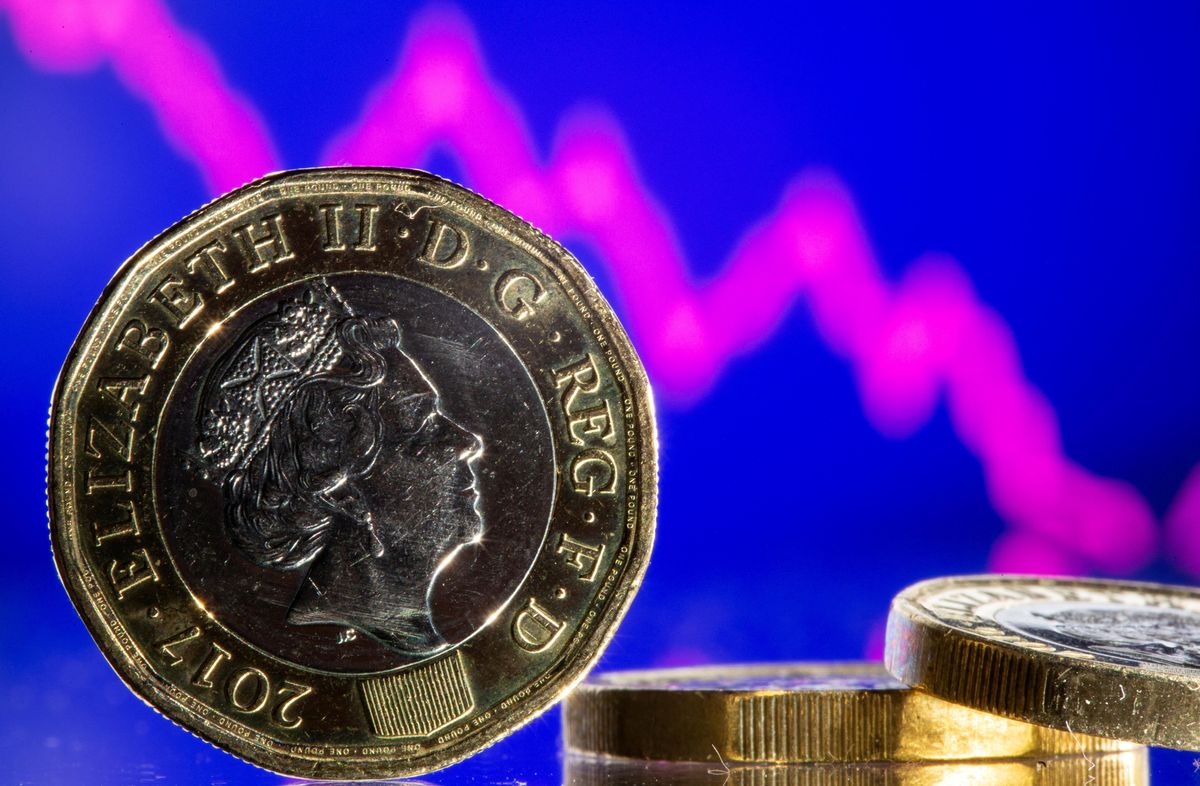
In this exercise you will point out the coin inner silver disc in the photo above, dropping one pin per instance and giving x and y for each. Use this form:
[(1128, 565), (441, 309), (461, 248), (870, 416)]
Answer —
[(354, 472), (1133, 635)]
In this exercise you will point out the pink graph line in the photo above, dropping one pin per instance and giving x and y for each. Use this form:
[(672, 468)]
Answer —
[(1183, 526), (170, 69), (911, 345)]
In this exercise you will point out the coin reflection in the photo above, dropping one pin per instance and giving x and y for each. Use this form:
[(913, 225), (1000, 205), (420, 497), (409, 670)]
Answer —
[(1129, 768)]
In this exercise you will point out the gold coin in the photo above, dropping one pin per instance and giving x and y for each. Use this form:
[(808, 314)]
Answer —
[(1128, 768), (352, 472), (1116, 659), (804, 712)]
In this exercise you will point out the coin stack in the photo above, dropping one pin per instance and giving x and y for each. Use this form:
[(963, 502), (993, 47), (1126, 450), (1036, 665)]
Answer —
[(352, 473), (996, 679)]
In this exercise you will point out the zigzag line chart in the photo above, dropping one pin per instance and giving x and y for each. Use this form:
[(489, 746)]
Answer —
[(912, 345)]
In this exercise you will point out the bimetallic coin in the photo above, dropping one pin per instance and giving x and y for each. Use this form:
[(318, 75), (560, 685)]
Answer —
[(352, 472), (804, 712), (1128, 768), (1117, 659)]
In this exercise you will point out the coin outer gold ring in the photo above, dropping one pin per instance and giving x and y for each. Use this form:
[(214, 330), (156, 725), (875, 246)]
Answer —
[(942, 639), (658, 715), (343, 750)]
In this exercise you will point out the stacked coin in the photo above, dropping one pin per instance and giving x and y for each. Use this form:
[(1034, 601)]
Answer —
[(1001, 678), (1118, 659)]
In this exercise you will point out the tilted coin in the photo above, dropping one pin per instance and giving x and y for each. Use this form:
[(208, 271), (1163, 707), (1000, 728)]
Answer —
[(801, 712), (352, 472), (1127, 768), (1115, 658)]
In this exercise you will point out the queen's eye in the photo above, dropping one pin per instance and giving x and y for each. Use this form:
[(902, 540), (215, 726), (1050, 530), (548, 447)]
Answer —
[(415, 412)]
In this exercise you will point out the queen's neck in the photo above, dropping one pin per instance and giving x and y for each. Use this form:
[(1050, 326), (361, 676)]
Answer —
[(383, 596)]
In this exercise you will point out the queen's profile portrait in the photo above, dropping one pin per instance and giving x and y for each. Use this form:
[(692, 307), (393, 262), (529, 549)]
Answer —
[(336, 458)]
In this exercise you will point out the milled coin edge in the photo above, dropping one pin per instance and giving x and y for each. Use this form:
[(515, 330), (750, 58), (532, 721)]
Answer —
[(1046, 688)]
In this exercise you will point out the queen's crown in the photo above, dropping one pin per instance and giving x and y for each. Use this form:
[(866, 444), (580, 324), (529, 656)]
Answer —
[(261, 373)]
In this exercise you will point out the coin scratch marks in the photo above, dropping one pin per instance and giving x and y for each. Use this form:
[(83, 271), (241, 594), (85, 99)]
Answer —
[(410, 212), (913, 345), (724, 767), (1091, 764)]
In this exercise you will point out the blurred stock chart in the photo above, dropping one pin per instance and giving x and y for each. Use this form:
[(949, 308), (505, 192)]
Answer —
[(916, 287)]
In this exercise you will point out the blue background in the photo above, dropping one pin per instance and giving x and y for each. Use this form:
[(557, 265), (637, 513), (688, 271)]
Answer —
[(1052, 149)]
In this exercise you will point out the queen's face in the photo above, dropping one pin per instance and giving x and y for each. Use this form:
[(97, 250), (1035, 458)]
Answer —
[(422, 490)]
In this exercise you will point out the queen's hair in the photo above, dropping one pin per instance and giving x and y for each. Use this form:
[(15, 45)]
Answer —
[(283, 501)]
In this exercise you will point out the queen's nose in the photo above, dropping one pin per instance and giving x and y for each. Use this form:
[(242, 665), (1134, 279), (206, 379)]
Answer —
[(466, 444)]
